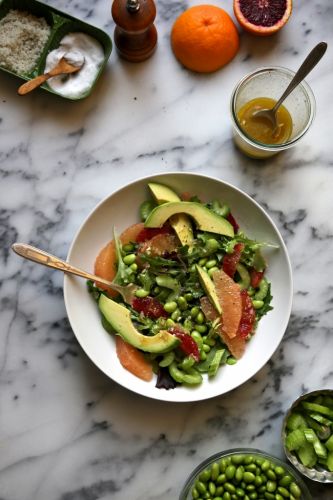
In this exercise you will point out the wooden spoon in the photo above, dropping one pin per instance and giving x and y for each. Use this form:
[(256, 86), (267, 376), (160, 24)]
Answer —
[(63, 67)]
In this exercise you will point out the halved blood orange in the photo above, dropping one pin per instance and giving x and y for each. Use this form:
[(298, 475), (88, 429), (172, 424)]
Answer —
[(262, 17), (105, 263), (235, 345), (133, 360), (229, 295)]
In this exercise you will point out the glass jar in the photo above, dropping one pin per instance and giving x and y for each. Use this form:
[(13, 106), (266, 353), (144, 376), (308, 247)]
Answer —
[(271, 82)]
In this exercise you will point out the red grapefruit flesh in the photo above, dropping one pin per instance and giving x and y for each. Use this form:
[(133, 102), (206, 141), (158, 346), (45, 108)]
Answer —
[(235, 345), (133, 360), (106, 261), (229, 295), (262, 17)]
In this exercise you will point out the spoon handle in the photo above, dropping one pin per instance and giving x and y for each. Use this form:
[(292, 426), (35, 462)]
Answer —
[(33, 84), (36, 255), (309, 63)]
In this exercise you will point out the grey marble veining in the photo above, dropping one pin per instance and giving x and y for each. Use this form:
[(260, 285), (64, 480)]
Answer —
[(66, 431)]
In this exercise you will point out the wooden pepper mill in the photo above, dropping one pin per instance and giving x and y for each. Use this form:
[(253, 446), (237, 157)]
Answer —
[(135, 35)]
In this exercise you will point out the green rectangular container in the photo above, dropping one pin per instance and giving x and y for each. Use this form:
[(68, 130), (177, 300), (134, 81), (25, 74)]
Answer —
[(61, 24)]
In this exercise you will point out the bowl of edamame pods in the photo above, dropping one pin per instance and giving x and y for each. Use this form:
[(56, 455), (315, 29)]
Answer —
[(307, 435), (246, 474)]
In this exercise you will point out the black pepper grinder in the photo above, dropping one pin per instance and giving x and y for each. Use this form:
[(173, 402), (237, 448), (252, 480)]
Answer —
[(135, 35)]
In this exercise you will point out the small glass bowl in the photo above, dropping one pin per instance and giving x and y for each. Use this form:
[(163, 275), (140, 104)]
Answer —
[(186, 493), (271, 82), (318, 474)]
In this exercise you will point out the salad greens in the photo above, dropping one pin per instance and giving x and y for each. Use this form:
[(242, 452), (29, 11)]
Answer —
[(169, 296)]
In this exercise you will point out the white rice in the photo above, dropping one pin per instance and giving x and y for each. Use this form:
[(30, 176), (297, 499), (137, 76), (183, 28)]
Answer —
[(22, 39)]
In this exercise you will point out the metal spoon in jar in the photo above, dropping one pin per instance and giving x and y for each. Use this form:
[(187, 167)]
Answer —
[(36, 255), (71, 62), (309, 63)]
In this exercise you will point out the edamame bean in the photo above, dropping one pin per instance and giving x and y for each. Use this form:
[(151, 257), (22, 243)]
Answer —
[(188, 325), (182, 303), (134, 267), (170, 307), (237, 459), (248, 477), (257, 304), (230, 471), (271, 475), (211, 488), (129, 259), (189, 297), (229, 487), (283, 491), (271, 486), (200, 486), (212, 270), (201, 328), (285, 481), (202, 262), (200, 318), (176, 315), (221, 478), (295, 490), (141, 293), (205, 475), (195, 493), (211, 263), (212, 245), (197, 337), (129, 247), (194, 312), (170, 323), (231, 361), (215, 471), (239, 473)]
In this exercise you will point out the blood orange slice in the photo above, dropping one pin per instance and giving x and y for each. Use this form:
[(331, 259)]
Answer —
[(262, 17), (159, 244), (133, 360), (229, 295), (105, 263)]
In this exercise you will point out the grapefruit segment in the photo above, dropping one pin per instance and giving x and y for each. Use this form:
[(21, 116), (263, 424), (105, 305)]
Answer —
[(133, 360), (106, 261), (262, 17), (235, 345), (229, 295)]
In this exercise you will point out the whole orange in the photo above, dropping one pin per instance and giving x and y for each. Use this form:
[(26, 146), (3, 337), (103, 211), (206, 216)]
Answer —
[(204, 38)]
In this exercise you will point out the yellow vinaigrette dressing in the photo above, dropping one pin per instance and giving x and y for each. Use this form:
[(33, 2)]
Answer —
[(260, 129)]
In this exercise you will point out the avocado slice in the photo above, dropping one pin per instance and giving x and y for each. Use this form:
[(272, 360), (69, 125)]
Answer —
[(209, 288), (179, 222), (119, 318), (205, 219)]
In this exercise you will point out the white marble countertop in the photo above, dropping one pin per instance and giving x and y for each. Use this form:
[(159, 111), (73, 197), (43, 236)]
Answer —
[(66, 431)]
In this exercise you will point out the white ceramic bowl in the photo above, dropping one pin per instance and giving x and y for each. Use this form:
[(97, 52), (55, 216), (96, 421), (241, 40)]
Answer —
[(120, 209)]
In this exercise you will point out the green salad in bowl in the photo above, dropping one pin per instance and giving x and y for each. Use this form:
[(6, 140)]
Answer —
[(201, 287), (195, 289)]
